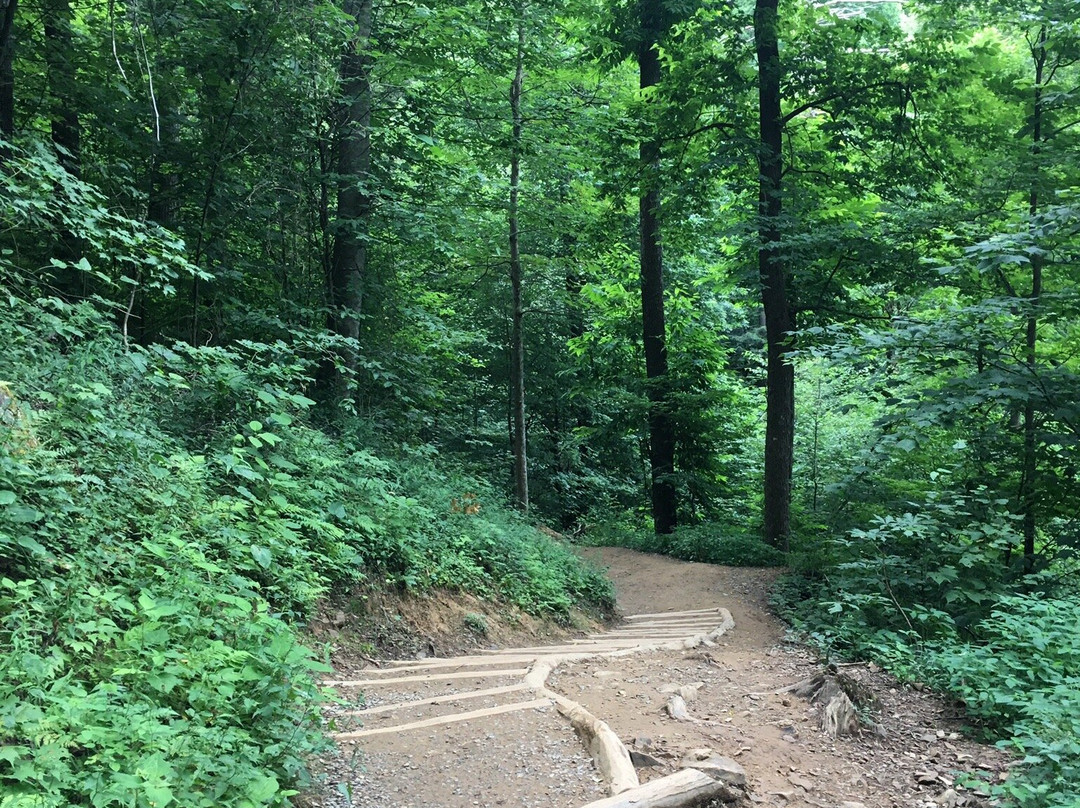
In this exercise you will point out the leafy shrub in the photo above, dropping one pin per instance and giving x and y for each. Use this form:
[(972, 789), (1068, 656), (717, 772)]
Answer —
[(708, 543), (714, 544), (165, 514), (928, 594), (1024, 677), (183, 695), (417, 536), (905, 579), (476, 623)]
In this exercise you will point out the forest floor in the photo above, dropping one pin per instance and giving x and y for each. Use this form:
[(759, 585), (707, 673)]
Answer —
[(518, 751)]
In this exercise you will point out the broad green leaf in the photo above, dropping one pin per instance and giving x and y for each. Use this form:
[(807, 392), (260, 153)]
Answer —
[(22, 514), (260, 789), (263, 557)]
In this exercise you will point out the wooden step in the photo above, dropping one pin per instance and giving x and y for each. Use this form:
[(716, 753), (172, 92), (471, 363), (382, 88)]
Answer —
[(655, 615), (472, 694), (446, 719), (510, 655), (429, 678)]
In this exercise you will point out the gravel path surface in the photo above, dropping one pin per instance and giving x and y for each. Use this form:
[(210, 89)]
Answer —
[(531, 758)]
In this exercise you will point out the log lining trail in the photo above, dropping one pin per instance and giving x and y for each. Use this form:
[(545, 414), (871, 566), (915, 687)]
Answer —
[(673, 631), (686, 702)]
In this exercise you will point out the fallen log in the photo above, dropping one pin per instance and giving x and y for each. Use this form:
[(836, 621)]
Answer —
[(611, 756), (684, 789)]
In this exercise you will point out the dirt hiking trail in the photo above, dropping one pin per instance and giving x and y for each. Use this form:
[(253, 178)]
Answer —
[(678, 705)]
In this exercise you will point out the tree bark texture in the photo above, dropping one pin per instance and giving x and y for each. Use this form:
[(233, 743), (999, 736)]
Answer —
[(517, 345), (7, 71), (349, 261), (779, 321), (163, 203), (66, 133), (661, 427), (64, 115), (1029, 488)]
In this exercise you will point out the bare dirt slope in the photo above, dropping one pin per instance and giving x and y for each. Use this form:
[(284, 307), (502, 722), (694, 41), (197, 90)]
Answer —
[(415, 748)]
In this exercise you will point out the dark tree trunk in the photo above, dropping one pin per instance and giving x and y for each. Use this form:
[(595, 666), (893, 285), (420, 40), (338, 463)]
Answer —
[(348, 263), (1029, 483), (64, 116), (7, 71), (163, 202), (70, 282), (577, 452), (325, 236), (517, 346), (163, 197), (779, 321), (661, 428)]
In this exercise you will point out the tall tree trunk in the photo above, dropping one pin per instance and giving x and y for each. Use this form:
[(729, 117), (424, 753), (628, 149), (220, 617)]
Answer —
[(517, 346), (72, 283), (661, 428), (779, 322), (326, 240), (162, 204), (576, 454), (163, 190), (349, 260), (7, 70), (64, 115), (1029, 484)]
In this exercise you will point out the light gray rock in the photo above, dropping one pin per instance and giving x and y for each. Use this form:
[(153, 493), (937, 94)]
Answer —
[(948, 799), (676, 708), (688, 692), (716, 766)]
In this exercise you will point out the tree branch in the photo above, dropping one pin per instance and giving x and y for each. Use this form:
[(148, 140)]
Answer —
[(817, 102)]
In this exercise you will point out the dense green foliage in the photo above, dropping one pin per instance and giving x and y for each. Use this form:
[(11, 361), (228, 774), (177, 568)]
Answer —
[(151, 571), (196, 199), (168, 515), (146, 659), (1024, 675), (1010, 659), (711, 543)]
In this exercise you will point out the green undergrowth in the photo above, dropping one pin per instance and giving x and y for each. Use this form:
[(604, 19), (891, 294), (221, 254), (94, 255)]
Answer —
[(708, 543), (168, 518), (1023, 677), (934, 597)]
